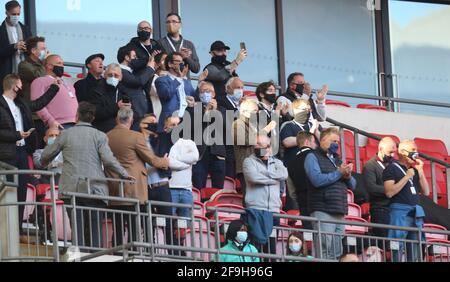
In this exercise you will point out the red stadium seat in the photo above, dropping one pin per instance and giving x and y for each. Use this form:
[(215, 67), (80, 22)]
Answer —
[(196, 194), (337, 103), (80, 76), (206, 193), (353, 229), (354, 210), (203, 240), (431, 146), (433, 236), (371, 107), (68, 75), (31, 197), (199, 209), (222, 215), (249, 94), (229, 198), (62, 220), (350, 196)]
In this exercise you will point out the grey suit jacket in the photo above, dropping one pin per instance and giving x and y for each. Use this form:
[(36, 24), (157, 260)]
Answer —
[(85, 152)]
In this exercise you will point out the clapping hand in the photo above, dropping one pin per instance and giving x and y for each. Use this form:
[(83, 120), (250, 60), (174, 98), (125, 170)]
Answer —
[(321, 95)]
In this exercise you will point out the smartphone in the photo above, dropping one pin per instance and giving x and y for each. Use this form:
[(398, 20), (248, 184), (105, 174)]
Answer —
[(31, 130), (126, 99), (243, 46)]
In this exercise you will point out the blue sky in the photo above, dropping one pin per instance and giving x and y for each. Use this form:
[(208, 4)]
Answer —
[(404, 12)]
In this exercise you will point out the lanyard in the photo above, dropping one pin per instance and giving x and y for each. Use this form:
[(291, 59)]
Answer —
[(173, 46), (143, 46), (304, 150), (410, 181), (381, 164)]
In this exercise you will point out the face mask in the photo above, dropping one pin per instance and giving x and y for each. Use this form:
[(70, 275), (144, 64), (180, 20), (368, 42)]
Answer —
[(302, 117), (305, 97), (237, 94), (18, 90), (133, 64), (172, 29), (144, 35), (14, 20), (153, 127), (42, 55), (295, 247), (51, 140), (299, 89), (182, 66), (260, 153), (58, 70), (413, 155), (334, 148), (112, 81), (219, 59), (205, 98), (271, 98), (241, 237), (388, 159)]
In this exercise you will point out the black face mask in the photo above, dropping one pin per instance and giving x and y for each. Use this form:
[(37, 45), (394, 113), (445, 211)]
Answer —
[(299, 89), (58, 70), (153, 127), (144, 35), (182, 66), (413, 155), (134, 64), (219, 59), (270, 98), (388, 159)]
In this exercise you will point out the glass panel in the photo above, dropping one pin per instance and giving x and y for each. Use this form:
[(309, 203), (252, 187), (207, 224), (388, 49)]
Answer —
[(80, 28), (421, 54), (235, 21), (22, 13), (332, 42)]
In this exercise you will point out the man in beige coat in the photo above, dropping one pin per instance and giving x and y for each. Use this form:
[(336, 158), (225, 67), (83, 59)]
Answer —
[(131, 150)]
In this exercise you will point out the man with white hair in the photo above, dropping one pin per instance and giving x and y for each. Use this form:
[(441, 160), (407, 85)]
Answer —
[(107, 99), (373, 180), (403, 181)]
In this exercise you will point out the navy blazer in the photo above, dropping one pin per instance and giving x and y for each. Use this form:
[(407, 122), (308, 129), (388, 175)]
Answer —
[(168, 95)]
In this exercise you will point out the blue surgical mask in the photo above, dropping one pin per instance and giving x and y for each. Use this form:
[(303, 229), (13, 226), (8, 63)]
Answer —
[(51, 140), (14, 20), (206, 97), (42, 55), (295, 247), (112, 81), (334, 148), (242, 237), (237, 95)]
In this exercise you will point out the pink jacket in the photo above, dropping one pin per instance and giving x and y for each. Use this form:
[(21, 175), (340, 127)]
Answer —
[(63, 108)]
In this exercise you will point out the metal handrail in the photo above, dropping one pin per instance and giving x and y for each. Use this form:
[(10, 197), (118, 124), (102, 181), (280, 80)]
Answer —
[(77, 65)]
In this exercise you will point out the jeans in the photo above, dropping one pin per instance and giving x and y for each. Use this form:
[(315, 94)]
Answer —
[(381, 216), (209, 163), (331, 243), (162, 194), (400, 217), (182, 196)]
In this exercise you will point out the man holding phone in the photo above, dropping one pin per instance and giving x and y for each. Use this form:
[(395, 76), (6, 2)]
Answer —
[(403, 181), (219, 71)]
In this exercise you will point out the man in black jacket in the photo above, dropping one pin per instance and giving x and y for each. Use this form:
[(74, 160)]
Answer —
[(83, 87), (297, 174), (17, 139), (143, 44), (133, 83), (107, 99), (13, 35)]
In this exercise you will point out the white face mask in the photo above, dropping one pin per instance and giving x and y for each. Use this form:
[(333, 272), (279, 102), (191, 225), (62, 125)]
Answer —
[(112, 81), (14, 20), (42, 55)]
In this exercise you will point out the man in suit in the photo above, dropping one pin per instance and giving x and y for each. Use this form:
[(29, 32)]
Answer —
[(231, 102), (134, 84), (174, 90), (13, 35), (86, 152), (17, 140), (131, 150)]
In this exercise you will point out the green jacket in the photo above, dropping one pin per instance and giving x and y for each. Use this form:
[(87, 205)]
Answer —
[(249, 248), (28, 72)]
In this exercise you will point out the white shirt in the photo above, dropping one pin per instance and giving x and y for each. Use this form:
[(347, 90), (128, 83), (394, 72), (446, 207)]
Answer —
[(182, 95), (17, 115), (124, 67), (14, 32)]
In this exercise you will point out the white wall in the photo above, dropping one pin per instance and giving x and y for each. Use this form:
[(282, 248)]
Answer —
[(405, 126)]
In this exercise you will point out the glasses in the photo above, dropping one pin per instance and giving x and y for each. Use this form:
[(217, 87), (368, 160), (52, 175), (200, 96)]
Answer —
[(172, 22), (144, 29)]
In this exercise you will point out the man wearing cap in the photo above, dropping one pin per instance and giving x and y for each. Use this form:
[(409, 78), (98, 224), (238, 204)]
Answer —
[(83, 87), (220, 70), (13, 35)]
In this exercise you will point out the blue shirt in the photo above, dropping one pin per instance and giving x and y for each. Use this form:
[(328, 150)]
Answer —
[(321, 180), (405, 196), (153, 174), (291, 129)]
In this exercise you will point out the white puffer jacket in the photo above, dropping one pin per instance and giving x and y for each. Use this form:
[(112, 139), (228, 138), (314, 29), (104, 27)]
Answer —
[(183, 155)]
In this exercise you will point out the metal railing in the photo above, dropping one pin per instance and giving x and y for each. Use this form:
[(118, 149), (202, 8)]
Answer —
[(357, 132)]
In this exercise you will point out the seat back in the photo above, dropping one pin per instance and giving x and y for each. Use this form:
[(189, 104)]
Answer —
[(202, 239)]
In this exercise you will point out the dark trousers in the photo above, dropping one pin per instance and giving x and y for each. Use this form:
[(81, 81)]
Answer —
[(302, 201), (381, 216), (21, 162), (162, 194), (40, 133), (230, 162), (89, 222), (271, 246), (123, 220), (212, 165)]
